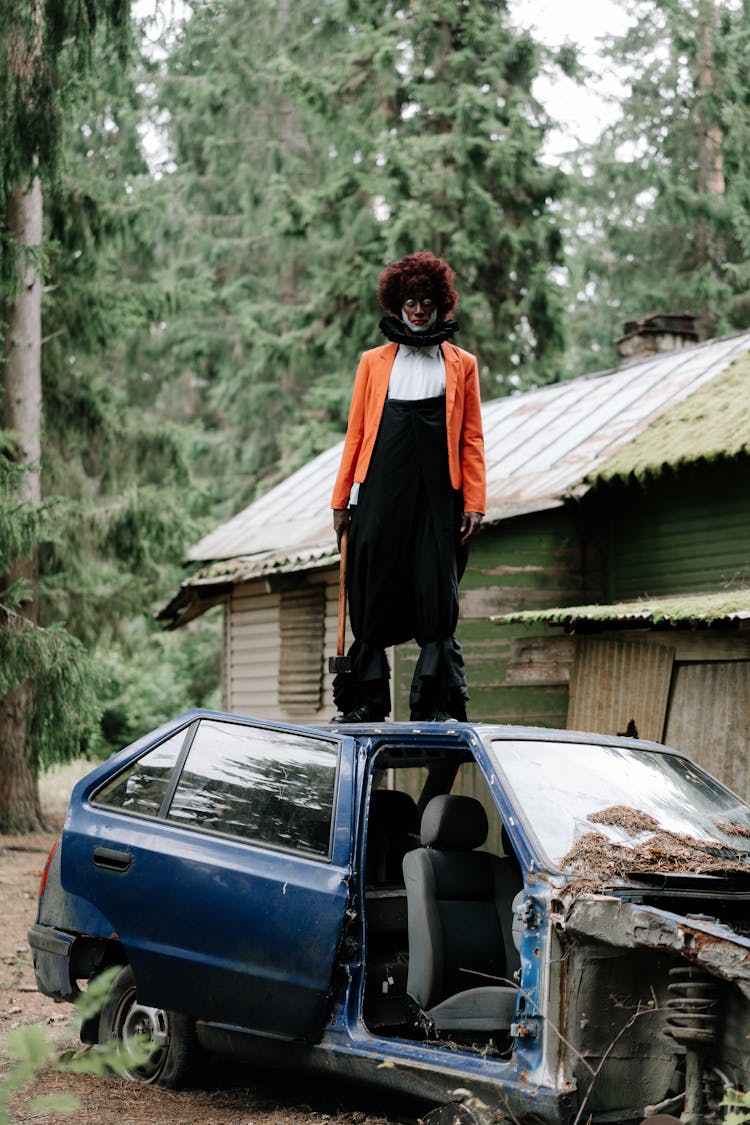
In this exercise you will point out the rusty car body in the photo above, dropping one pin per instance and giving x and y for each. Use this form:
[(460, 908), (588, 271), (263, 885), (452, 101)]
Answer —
[(318, 897)]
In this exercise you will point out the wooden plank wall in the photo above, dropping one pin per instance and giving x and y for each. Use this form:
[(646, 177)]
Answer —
[(618, 687), (679, 535), (662, 540), (252, 651), (530, 562), (709, 717), (707, 712)]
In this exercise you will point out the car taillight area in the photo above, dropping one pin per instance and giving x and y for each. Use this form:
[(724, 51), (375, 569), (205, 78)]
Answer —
[(45, 872)]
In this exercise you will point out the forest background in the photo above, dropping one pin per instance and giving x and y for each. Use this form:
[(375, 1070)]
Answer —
[(181, 332)]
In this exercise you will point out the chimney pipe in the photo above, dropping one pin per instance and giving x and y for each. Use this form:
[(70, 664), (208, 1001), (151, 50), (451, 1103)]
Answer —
[(656, 334)]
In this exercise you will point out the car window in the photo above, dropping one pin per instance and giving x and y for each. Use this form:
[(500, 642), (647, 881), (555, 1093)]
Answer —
[(470, 782), (142, 787), (562, 789), (272, 787)]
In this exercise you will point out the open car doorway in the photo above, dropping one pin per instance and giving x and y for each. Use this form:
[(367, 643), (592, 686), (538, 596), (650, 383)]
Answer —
[(440, 878)]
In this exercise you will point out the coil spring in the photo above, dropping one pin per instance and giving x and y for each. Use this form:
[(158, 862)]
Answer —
[(694, 1006)]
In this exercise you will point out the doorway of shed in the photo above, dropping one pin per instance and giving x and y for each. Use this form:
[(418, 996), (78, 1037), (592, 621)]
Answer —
[(709, 718), (617, 687), (700, 707)]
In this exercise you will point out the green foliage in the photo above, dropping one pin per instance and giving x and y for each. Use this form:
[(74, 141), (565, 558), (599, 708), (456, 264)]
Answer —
[(435, 142), (309, 148), (738, 1106), (151, 676), (31, 1052), (657, 217), (41, 47), (19, 522), (64, 706), (30, 1048), (734, 111), (318, 424), (119, 464)]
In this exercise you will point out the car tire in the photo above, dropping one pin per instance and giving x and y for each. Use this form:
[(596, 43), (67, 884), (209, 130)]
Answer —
[(174, 1059)]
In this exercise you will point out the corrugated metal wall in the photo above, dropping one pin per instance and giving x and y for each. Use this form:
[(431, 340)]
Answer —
[(256, 680)]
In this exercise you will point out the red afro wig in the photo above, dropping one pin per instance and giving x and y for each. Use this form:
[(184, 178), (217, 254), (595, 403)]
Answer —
[(421, 271)]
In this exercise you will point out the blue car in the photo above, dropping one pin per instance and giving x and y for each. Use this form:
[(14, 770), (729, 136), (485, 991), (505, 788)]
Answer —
[(535, 925)]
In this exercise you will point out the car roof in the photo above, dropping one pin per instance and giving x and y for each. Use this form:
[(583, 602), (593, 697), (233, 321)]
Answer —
[(482, 730)]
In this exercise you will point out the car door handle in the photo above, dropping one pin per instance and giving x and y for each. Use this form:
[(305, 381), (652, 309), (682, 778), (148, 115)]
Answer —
[(111, 860)]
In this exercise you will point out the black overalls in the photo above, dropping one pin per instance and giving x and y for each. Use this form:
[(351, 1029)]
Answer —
[(405, 562)]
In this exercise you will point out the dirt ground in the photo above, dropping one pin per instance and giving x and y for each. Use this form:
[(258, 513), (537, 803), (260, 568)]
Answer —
[(235, 1097)]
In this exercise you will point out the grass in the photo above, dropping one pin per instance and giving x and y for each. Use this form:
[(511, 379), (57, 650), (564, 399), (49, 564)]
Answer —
[(56, 784)]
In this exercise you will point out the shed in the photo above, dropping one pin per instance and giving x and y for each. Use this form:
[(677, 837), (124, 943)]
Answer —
[(585, 478), (665, 651)]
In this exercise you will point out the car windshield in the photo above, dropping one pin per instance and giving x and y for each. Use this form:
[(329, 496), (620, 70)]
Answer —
[(570, 792)]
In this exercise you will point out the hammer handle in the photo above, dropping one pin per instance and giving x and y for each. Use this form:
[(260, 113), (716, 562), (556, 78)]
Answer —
[(340, 635)]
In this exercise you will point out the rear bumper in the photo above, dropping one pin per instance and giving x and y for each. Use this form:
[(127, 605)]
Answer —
[(52, 953)]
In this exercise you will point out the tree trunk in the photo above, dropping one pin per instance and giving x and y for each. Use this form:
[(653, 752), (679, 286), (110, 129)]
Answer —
[(710, 157), (20, 810)]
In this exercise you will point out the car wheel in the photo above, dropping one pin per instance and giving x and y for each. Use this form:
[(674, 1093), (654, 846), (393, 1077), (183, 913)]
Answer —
[(171, 1036)]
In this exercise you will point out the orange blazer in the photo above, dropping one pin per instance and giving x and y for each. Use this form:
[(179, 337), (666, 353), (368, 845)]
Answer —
[(462, 415)]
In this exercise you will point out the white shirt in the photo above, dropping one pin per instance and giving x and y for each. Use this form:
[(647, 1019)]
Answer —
[(416, 373)]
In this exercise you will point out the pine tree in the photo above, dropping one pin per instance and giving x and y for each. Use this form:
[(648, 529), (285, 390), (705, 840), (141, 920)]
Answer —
[(311, 145), (47, 692), (119, 459), (655, 218), (733, 59), (435, 141), (33, 39)]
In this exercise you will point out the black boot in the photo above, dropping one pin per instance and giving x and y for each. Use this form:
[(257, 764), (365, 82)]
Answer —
[(365, 713)]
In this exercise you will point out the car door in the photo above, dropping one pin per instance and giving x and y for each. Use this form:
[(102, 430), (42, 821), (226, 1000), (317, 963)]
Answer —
[(221, 858)]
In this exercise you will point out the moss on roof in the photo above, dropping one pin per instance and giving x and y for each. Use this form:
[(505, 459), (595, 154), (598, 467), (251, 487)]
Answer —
[(712, 422), (679, 609)]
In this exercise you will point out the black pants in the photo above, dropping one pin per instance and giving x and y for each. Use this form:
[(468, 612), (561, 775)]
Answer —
[(404, 566)]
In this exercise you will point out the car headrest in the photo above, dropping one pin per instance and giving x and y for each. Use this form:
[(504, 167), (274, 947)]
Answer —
[(394, 809), (454, 823)]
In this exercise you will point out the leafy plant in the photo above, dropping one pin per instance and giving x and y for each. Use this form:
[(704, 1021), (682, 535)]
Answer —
[(32, 1052), (738, 1106)]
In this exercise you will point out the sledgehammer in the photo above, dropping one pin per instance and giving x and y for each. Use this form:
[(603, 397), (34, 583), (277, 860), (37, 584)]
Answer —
[(339, 662)]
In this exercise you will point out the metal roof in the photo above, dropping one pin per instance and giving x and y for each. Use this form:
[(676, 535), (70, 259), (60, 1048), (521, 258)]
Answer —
[(679, 609), (540, 446), (245, 567), (713, 422)]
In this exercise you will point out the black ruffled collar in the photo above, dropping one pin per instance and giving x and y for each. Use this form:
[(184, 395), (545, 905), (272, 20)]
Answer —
[(395, 330)]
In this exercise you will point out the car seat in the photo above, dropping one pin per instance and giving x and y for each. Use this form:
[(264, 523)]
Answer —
[(459, 917), (392, 831)]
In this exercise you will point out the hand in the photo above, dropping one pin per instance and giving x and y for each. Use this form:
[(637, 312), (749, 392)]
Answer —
[(341, 520), (470, 525)]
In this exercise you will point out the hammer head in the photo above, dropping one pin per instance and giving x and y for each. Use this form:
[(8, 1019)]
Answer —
[(338, 664)]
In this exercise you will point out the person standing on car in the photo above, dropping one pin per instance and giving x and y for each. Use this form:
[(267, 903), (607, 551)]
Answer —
[(411, 491)]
